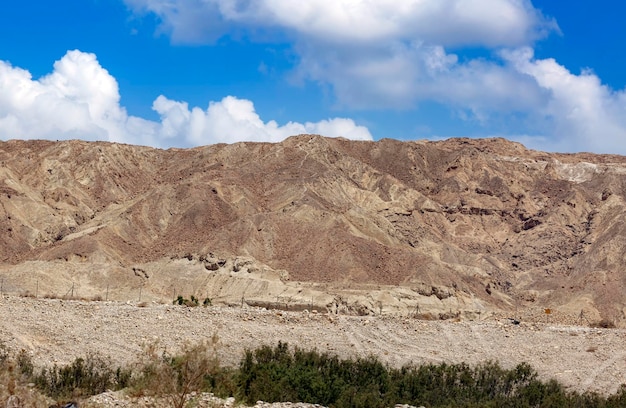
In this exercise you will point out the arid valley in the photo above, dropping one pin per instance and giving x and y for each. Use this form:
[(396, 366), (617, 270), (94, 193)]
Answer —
[(416, 252)]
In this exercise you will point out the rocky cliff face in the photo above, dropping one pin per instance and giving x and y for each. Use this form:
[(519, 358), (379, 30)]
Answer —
[(459, 226)]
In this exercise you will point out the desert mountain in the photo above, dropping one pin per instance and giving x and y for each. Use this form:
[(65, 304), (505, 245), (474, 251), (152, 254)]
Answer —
[(452, 228)]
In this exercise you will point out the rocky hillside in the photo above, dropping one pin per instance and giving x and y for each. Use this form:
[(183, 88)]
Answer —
[(442, 229)]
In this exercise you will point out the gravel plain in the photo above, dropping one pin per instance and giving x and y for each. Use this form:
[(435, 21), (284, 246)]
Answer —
[(57, 331)]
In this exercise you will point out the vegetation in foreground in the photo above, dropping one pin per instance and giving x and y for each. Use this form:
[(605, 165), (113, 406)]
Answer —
[(282, 373)]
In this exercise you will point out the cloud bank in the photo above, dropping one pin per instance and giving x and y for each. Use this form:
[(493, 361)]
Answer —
[(374, 54), (445, 22), (80, 99), (396, 54)]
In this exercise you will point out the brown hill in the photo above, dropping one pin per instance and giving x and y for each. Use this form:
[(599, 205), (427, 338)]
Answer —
[(436, 228)]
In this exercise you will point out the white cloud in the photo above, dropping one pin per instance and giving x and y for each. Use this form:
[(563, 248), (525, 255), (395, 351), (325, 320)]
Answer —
[(389, 54), (377, 54), (445, 22), (580, 112), (80, 99), (393, 54), (234, 119), (397, 76), (79, 96)]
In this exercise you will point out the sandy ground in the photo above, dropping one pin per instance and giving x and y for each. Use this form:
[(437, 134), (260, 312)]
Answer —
[(57, 331)]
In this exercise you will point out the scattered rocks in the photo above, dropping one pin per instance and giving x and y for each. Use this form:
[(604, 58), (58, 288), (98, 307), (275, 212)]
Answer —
[(203, 400), (13, 402), (395, 340)]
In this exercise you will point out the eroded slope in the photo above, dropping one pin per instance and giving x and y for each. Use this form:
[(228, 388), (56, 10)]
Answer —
[(471, 225)]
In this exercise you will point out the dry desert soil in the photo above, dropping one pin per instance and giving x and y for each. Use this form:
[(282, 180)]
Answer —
[(56, 331)]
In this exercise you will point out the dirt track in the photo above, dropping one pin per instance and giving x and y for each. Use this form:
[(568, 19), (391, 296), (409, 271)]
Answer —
[(57, 331)]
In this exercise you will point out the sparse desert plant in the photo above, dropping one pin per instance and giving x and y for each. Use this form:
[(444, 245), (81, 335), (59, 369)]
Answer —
[(206, 302), (25, 363), (83, 377), (17, 375), (196, 368), (4, 355), (191, 302), (280, 374), (14, 392)]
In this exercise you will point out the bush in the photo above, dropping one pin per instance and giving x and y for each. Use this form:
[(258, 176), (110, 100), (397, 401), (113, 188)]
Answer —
[(278, 374), (83, 377), (307, 376), (13, 387), (195, 369), (191, 302), (4, 355), (25, 364)]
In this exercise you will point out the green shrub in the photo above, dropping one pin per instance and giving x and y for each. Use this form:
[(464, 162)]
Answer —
[(307, 376), (191, 302), (83, 377), (280, 374)]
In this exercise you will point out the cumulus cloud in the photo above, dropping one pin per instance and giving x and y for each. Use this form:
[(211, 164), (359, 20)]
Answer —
[(378, 54), (396, 53), (80, 99), (445, 22), (233, 119), (580, 112)]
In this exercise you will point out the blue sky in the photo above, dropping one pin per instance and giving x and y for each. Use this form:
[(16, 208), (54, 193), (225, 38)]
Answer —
[(549, 74)]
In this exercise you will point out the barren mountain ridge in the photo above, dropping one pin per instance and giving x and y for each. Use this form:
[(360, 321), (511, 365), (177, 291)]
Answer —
[(452, 229)]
